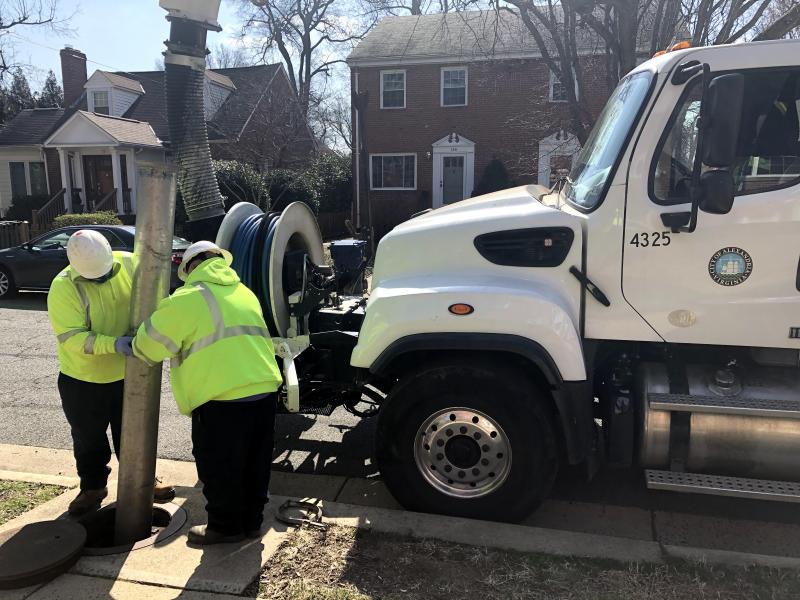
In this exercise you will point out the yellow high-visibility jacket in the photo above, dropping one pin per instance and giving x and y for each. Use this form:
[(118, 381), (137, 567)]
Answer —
[(213, 330), (88, 317)]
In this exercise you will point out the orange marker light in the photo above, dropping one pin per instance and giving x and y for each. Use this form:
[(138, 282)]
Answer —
[(659, 53), (461, 309), (680, 46)]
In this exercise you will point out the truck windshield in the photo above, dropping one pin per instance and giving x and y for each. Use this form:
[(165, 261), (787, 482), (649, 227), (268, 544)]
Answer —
[(586, 183)]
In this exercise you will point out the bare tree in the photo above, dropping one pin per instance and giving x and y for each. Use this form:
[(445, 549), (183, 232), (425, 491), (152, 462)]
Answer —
[(309, 36), (226, 56), (783, 18), (629, 30), (333, 122), (17, 15)]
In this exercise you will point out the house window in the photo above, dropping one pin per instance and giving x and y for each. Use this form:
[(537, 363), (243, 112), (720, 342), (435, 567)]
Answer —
[(101, 102), (454, 86), (19, 188), (393, 89), (393, 172), (558, 93), (38, 179)]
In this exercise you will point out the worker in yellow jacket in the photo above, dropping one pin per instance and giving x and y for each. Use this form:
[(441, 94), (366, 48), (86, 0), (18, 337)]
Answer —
[(224, 374), (89, 306)]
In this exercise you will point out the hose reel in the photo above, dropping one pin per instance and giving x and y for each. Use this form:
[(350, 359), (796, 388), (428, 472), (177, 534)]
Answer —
[(269, 250)]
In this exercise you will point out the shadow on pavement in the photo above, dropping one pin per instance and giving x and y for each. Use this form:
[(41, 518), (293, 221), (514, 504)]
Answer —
[(346, 451), (26, 301)]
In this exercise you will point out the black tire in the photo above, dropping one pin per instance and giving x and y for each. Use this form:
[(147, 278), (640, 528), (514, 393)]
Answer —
[(503, 395), (7, 287)]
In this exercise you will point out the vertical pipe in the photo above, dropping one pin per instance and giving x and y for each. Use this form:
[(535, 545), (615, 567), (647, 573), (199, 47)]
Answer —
[(153, 251)]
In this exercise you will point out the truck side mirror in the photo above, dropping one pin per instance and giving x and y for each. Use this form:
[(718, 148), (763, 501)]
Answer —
[(717, 192), (724, 115)]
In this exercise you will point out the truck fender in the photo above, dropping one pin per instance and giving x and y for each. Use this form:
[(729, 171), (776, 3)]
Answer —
[(524, 322)]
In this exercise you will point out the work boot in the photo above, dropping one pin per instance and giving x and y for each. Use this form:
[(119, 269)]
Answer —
[(163, 492), (87, 501), (201, 535)]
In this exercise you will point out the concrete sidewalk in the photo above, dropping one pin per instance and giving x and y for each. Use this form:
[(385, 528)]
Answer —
[(171, 569)]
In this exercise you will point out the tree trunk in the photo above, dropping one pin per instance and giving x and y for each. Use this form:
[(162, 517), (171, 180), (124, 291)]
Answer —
[(782, 25)]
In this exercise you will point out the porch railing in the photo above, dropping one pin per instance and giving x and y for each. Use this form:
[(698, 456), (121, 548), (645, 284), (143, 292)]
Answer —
[(42, 219), (105, 203), (127, 206)]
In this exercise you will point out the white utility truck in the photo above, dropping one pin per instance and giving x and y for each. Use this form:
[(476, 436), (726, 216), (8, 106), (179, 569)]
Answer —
[(646, 313)]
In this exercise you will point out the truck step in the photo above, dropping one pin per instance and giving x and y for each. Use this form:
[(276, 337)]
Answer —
[(754, 407), (717, 485)]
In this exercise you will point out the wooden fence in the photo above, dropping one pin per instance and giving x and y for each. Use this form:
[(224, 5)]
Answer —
[(14, 233), (332, 224)]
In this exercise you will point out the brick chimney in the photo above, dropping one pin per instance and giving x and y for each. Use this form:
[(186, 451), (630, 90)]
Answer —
[(73, 73)]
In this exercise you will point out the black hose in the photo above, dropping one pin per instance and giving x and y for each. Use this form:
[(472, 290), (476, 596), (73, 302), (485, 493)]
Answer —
[(186, 117)]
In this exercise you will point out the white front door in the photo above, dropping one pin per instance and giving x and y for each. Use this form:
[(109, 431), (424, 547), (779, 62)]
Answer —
[(453, 169), (452, 178), (735, 280)]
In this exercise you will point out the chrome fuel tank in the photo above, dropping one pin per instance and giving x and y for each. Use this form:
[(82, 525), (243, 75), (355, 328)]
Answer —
[(743, 424)]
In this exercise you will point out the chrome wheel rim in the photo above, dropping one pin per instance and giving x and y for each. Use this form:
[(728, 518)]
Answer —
[(462, 452), (4, 284)]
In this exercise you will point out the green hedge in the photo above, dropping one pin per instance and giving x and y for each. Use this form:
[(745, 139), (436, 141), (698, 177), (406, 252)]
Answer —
[(98, 218), (287, 186), (326, 185), (22, 207), (240, 182), (495, 178)]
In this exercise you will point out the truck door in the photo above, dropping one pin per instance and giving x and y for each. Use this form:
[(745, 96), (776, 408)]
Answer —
[(735, 280)]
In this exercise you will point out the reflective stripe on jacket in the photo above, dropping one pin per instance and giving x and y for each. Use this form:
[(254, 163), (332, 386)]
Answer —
[(88, 317), (213, 330)]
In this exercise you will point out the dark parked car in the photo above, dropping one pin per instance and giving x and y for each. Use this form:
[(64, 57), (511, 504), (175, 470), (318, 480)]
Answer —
[(33, 266)]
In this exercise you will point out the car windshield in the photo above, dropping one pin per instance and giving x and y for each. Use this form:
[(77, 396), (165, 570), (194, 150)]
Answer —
[(586, 183)]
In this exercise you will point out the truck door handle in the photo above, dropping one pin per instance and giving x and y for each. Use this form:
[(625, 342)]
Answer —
[(590, 287)]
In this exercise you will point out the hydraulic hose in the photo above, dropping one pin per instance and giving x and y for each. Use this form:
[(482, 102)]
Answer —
[(252, 244), (185, 64)]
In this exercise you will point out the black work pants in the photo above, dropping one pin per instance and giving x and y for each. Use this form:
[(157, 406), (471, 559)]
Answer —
[(232, 446), (90, 409)]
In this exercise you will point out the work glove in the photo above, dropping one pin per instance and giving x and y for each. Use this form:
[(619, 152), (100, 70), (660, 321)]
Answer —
[(123, 345)]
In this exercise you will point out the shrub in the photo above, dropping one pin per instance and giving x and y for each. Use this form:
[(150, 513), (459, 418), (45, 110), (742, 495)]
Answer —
[(98, 218), (495, 178), (333, 177), (240, 182), (287, 186), (23, 206)]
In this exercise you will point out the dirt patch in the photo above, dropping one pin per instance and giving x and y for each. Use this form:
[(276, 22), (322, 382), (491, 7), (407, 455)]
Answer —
[(17, 497), (350, 564)]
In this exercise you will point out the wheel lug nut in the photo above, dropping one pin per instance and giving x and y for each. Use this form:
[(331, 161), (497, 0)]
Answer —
[(484, 462), (476, 472), (448, 468), (499, 455), (449, 433), (439, 456), (440, 443), (477, 435), (463, 429), (485, 447), (461, 474)]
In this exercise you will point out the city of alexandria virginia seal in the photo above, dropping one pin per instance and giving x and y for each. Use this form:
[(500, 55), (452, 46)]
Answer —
[(730, 266)]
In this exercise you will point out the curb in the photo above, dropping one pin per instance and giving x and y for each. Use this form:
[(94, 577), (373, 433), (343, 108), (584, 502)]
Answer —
[(489, 534)]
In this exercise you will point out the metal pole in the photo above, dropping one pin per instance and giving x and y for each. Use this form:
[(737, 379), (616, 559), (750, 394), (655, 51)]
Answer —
[(153, 251)]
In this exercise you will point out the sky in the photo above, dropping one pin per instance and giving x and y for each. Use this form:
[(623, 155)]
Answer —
[(123, 35)]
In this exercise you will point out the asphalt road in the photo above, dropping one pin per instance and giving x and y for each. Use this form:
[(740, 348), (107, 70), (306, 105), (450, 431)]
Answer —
[(30, 414), (30, 408)]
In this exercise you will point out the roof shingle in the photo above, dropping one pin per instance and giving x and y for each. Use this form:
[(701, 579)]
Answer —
[(125, 131), (31, 126)]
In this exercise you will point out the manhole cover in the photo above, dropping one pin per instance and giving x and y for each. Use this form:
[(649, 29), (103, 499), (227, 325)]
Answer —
[(39, 552)]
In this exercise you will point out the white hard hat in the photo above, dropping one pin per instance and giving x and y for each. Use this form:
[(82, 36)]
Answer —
[(89, 253), (199, 248)]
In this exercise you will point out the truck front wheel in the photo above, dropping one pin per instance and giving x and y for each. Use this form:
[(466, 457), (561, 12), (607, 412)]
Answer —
[(472, 441)]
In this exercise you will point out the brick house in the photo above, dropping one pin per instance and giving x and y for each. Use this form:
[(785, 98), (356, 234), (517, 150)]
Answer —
[(448, 93), (84, 157)]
